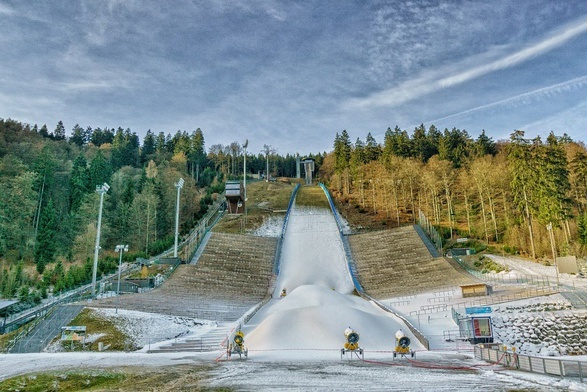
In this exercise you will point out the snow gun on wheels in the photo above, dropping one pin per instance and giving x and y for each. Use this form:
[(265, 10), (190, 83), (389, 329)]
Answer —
[(237, 346), (352, 344), (402, 345)]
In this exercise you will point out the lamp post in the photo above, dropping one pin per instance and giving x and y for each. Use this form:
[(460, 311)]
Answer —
[(553, 247), (267, 172), (245, 168), (178, 185), (101, 189), (119, 249)]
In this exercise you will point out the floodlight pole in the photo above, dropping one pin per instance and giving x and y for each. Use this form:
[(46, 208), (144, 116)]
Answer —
[(178, 185), (267, 179), (101, 189), (245, 168), (120, 249), (552, 246)]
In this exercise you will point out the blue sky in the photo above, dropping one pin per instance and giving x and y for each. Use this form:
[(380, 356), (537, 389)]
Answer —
[(292, 74)]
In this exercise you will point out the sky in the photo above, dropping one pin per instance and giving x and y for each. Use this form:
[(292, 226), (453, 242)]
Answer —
[(292, 74)]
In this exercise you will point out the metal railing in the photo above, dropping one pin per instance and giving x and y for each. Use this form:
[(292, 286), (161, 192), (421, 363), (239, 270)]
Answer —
[(354, 274), (345, 243), (277, 262), (190, 244), (551, 366), (434, 236)]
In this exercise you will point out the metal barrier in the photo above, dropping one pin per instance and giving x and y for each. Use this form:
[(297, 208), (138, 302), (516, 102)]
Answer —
[(354, 275), (189, 246), (345, 243), (550, 366), (277, 261)]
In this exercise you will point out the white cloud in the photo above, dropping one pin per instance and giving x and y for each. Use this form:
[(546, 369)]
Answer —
[(6, 10), (435, 80)]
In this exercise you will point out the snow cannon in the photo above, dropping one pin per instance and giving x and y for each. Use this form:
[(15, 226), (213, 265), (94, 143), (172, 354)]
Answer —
[(402, 345), (237, 346), (283, 293), (352, 343)]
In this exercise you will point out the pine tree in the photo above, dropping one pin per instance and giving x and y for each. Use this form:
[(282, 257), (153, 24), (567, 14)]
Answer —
[(521, 163), (59, 132), (79, 182), (372, 149), (553, 182), (100, 170), (78, 136), (148, 149), (46, 245), (197, 153)]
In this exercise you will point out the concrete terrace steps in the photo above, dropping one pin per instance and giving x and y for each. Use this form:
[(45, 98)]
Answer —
[(396, 262), (211, 341), (231, 275)]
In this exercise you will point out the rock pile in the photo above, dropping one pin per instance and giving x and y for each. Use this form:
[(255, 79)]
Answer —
[(553, 332)]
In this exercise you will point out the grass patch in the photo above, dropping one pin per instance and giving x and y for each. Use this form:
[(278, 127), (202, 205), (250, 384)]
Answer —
[(312, 196), (63, 381), (269, 195), (179, 378), (483, 264), (479, 246), (6, 338), (95, 323)]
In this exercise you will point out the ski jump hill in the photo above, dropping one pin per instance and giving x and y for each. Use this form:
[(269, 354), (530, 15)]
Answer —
[(235, 272)]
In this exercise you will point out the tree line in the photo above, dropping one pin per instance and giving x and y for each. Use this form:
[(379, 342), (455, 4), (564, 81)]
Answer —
[(49, 203), (512, 193)]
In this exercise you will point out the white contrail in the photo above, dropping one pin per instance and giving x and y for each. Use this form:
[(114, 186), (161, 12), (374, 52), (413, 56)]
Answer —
[(518, 57), (553, 89), (427, 84)]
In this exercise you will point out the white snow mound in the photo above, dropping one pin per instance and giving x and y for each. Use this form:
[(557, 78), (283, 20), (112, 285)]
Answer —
[(315, 317)]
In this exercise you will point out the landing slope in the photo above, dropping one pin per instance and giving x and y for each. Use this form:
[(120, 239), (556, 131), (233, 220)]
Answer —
[(319, 305)]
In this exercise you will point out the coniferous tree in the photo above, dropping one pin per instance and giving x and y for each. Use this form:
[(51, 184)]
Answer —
[(79, 182), (484, 145), (553, 182), (521, 164), (59, 132), (342, 151), (579, 175), (100, 170), (372, 149), (77, 136), (44, 131), (197, 153), (148, 149), (46, 244), (397, 143)]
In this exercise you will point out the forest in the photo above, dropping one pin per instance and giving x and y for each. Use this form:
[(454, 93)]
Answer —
[(49, 204), (514, 195), (510, 194)]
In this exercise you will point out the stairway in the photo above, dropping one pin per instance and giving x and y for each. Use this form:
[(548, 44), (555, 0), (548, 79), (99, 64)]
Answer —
[(211, 341)]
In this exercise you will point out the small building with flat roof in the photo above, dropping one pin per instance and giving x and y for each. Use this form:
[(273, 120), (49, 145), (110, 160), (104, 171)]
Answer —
[(476, 290), (235, 199)]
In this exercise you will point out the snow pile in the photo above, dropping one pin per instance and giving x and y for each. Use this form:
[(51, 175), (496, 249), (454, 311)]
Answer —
[(314, 317), (271, 227), (542, 329)]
